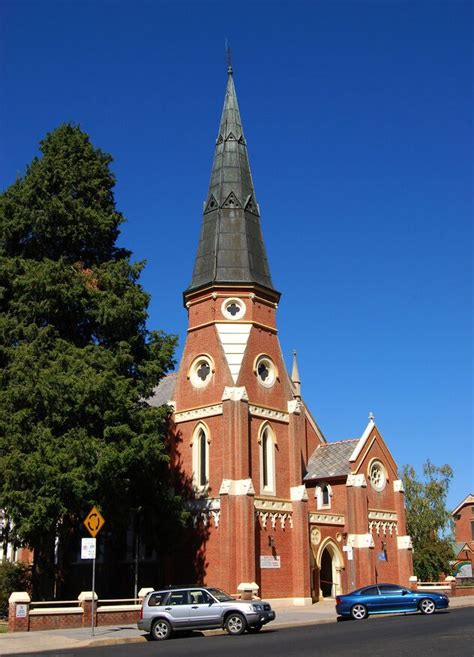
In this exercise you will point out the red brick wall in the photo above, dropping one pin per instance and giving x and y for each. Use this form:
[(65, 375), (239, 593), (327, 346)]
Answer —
[(462, 527)]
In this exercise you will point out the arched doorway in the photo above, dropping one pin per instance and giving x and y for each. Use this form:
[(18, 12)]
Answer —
[(325, 574), (330, 564)]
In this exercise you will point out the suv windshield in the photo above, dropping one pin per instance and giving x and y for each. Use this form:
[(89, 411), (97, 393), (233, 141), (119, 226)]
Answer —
[(221, 596)]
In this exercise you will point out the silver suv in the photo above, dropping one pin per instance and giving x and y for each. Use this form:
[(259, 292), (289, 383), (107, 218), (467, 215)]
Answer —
[(200, 608)]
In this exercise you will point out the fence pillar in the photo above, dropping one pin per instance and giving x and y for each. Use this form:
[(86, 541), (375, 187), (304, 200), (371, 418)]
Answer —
[(143, 592), (85, 601), (19, 612)]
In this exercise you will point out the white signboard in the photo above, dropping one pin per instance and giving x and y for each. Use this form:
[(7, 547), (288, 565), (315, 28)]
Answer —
[(21, 611), (269, 562), (88, 548)]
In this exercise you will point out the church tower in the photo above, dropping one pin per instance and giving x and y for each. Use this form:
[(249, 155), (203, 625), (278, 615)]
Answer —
[(277, 509), (241, 433)]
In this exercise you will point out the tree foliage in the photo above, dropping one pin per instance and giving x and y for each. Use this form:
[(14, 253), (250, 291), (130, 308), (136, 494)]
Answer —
[(429, 523), (76, 358)]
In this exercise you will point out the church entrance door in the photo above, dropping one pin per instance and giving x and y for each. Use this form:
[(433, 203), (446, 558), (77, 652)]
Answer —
[(325, 578)]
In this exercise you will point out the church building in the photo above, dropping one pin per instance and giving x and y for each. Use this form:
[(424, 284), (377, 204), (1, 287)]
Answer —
[(278, 509)]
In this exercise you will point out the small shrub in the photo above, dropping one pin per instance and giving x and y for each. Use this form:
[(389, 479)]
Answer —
[(13, 577)]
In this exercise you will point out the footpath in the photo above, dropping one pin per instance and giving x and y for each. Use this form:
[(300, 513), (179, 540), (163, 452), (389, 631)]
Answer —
[(31, 643)]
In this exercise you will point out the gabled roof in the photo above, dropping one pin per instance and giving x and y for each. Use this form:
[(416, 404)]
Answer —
[(460, 547), (467, 500), (231, 248), (330, 460), (164, 391)]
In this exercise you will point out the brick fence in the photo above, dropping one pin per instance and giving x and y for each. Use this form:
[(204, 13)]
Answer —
[(27, 616)]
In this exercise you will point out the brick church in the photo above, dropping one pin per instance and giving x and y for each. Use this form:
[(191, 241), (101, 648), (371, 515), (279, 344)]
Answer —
[(277, 508)]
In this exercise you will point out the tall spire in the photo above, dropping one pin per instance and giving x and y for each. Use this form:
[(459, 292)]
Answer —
[(295, 377), (231, 248)]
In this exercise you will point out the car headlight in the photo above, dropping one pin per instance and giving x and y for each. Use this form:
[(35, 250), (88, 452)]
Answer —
[(256, 607)]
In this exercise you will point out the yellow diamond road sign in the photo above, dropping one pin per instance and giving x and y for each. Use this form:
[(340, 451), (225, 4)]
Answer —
[(94, 522)]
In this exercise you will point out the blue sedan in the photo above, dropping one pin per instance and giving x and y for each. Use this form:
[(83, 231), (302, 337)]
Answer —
[(388, 599)]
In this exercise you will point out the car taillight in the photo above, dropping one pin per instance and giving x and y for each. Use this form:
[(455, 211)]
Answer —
[(141, 612), (338, 600)]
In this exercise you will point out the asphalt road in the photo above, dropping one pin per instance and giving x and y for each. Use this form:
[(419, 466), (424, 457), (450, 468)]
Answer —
[(446, 634)]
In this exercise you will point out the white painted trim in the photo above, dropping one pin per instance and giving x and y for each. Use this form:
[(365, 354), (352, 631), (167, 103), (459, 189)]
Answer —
[(469, 499), (234, 338), (362, 441), (198, 413), (21, 597), (237, 487), (356, 480), (109, 608), (361, 540), (404, 543), (269, 413), (298, 494), (51, 611), (235, 394), (326, 518), (398, 486)]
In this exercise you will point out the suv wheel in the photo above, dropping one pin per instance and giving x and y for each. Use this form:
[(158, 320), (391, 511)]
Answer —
[(160, 630), (235, 623)]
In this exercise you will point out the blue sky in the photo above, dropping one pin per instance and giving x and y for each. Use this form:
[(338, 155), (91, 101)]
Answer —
[(358, 118)]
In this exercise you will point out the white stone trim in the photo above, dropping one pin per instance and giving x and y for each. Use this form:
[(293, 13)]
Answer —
[(294, 406), (197, 413), (356, 480), (51, 611), (362, 441), (269, 413), (398, 486), (375, 514), (326, 519), (87, 595), (108, 608), (235, 394), (234, 338), (298, 494), (274, 516), (20, 597), (272, 505), (404, 543), (237, 487), (238, 302), (361, 540)]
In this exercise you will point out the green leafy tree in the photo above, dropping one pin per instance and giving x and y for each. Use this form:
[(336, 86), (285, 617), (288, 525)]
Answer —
[(76, 358), (429, 523)]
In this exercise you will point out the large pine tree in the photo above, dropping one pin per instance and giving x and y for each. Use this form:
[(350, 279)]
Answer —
[(76, 358)]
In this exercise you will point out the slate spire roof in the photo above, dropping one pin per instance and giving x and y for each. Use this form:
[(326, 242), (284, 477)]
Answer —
[(231, 248)]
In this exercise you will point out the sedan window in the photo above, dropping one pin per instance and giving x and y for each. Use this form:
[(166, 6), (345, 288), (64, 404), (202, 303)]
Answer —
[(372, 590), (388, 589)]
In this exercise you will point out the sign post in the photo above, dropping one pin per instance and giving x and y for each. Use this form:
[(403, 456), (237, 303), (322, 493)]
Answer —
[(94, 523)]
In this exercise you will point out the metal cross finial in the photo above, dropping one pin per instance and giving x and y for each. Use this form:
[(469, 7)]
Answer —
[(371, 416), (229, 57)]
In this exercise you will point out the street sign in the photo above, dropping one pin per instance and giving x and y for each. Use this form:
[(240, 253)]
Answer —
[(88, 548), (94, 522)]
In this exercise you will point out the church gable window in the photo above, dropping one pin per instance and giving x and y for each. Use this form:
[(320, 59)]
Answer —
[(200, 457), (201, 370), (377, 475)]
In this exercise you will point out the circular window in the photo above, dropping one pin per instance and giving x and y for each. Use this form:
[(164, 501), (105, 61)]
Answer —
[(233, 308), (377, 475), (200, 372), (265, 371)]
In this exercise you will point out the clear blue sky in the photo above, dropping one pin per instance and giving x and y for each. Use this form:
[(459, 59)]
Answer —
[(358, 117)]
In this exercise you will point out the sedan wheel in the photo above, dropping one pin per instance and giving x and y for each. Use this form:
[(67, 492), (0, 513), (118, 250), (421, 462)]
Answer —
[(359, 612), (235, 624), (427, 606), (161, 630)]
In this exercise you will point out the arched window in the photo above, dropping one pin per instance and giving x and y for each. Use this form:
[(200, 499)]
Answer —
[(267, 460), (323, 496), (200, 447)]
